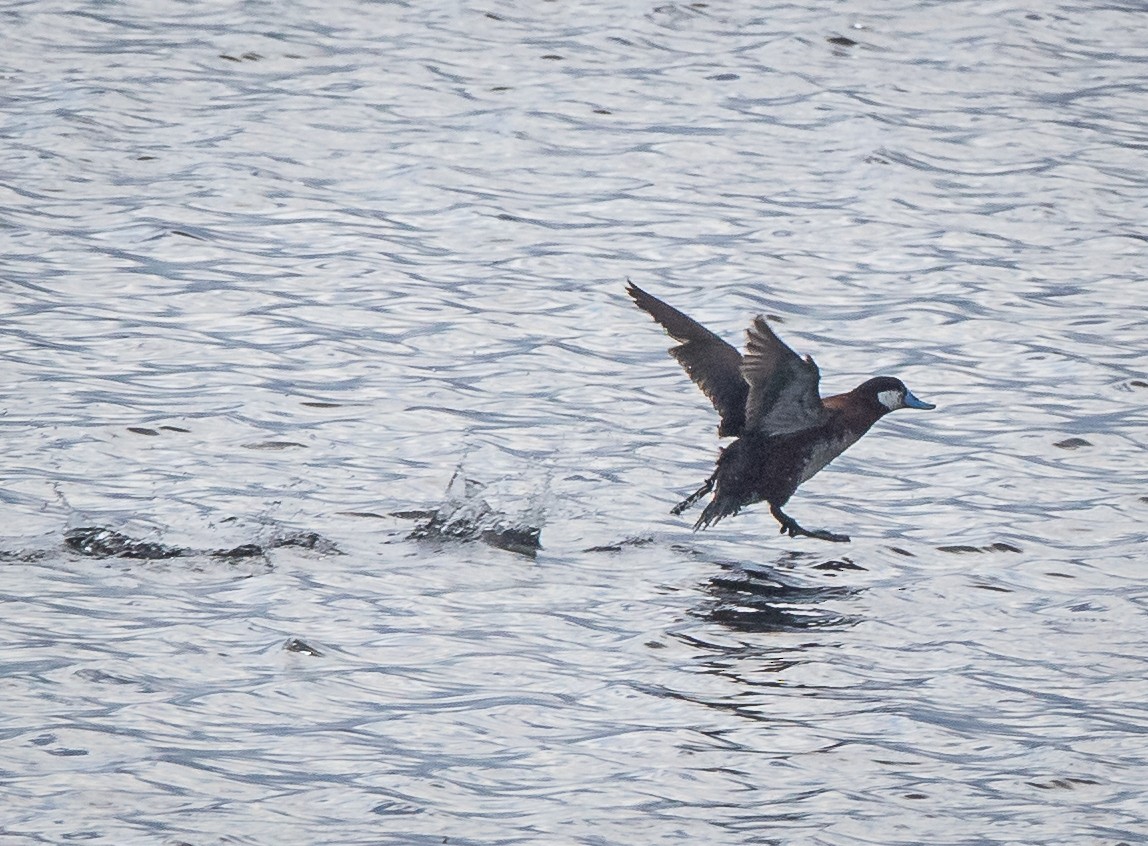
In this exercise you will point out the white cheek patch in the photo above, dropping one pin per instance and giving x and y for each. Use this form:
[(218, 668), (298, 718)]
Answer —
[(892, 400)]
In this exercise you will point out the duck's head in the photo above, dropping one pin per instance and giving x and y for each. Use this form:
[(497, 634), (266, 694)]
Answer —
[(891, 394)]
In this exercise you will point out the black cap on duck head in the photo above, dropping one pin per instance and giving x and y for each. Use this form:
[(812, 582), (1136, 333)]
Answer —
[(891, 394)]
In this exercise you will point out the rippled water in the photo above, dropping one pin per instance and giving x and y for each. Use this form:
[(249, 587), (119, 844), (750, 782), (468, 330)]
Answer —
[(277, 273)]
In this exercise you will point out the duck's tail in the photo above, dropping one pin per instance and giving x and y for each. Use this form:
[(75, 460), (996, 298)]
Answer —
[(715, 509), (694, 497)]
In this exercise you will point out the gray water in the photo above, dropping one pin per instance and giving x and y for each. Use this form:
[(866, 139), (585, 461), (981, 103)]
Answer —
[(276, 272)]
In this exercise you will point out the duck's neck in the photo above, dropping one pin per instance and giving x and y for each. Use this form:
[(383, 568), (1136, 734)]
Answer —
[(857, 410)]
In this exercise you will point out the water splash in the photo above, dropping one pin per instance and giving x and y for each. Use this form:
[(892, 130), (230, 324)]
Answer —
[(467, 515)]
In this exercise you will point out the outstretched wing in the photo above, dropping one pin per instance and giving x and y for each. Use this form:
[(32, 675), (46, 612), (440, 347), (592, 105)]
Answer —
[(714, 365), (783, 387)]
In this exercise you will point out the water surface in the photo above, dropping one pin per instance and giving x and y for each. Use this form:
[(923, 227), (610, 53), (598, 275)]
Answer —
[(275, 273)]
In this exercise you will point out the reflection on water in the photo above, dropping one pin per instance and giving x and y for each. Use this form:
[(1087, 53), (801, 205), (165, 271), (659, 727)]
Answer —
[(757, 600), (274, 275)]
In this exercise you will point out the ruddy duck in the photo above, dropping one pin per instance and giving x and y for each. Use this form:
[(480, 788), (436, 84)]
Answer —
[(769, 400)]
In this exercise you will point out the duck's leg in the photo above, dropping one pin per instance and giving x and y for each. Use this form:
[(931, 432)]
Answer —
[(789, 526), (694, 497)]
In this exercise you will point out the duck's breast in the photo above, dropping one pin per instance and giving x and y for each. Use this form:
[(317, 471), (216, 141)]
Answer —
[(821, 452)]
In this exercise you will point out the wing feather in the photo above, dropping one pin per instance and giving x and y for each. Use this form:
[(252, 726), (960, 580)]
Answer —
[(783, 387), (714, 365)]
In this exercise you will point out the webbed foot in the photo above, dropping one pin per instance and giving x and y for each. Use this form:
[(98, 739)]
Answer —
[(823, 534), (790, 526)]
